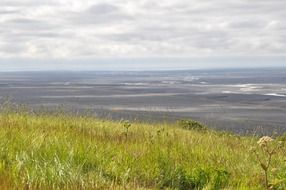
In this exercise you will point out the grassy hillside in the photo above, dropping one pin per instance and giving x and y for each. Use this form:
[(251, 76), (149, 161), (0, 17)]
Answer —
[(74, 152)]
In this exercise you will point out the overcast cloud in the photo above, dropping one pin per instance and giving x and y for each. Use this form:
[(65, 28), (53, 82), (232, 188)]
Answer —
[(141, 28)]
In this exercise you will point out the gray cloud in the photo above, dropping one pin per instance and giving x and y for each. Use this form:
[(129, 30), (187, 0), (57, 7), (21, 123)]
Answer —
[(143, 28), (8, 12), (101, 13), (102, 9), (27, 3)]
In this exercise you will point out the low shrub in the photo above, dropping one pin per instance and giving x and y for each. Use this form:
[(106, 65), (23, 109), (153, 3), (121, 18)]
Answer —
[(191, 125)]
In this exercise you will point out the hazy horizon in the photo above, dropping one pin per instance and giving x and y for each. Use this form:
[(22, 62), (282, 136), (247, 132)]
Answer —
[(137, 64)]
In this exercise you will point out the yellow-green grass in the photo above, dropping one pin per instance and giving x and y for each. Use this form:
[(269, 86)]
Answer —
[(75, 152)]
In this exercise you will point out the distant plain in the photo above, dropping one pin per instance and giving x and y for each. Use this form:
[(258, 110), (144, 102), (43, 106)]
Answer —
[(244, 101)]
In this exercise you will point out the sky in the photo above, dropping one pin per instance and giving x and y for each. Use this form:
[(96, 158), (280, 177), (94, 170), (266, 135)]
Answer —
[(141, 34)]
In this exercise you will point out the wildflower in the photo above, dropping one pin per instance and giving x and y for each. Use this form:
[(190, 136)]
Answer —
[(267, 152), (263, 141), (126, 125)]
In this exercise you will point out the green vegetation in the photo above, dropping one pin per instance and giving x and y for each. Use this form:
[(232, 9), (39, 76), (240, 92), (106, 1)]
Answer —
[(57, 151), (191, 125)]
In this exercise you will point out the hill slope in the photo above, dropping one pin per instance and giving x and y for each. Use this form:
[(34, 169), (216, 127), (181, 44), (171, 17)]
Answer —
[(74, 152)]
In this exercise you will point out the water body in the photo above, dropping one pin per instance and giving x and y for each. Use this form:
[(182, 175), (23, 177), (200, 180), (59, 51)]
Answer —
[(239, 100)]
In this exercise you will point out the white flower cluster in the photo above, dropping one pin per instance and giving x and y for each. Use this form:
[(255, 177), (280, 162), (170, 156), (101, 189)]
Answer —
[(263, 141)]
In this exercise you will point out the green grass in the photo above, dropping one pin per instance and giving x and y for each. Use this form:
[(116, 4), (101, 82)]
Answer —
[(74, 152)]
